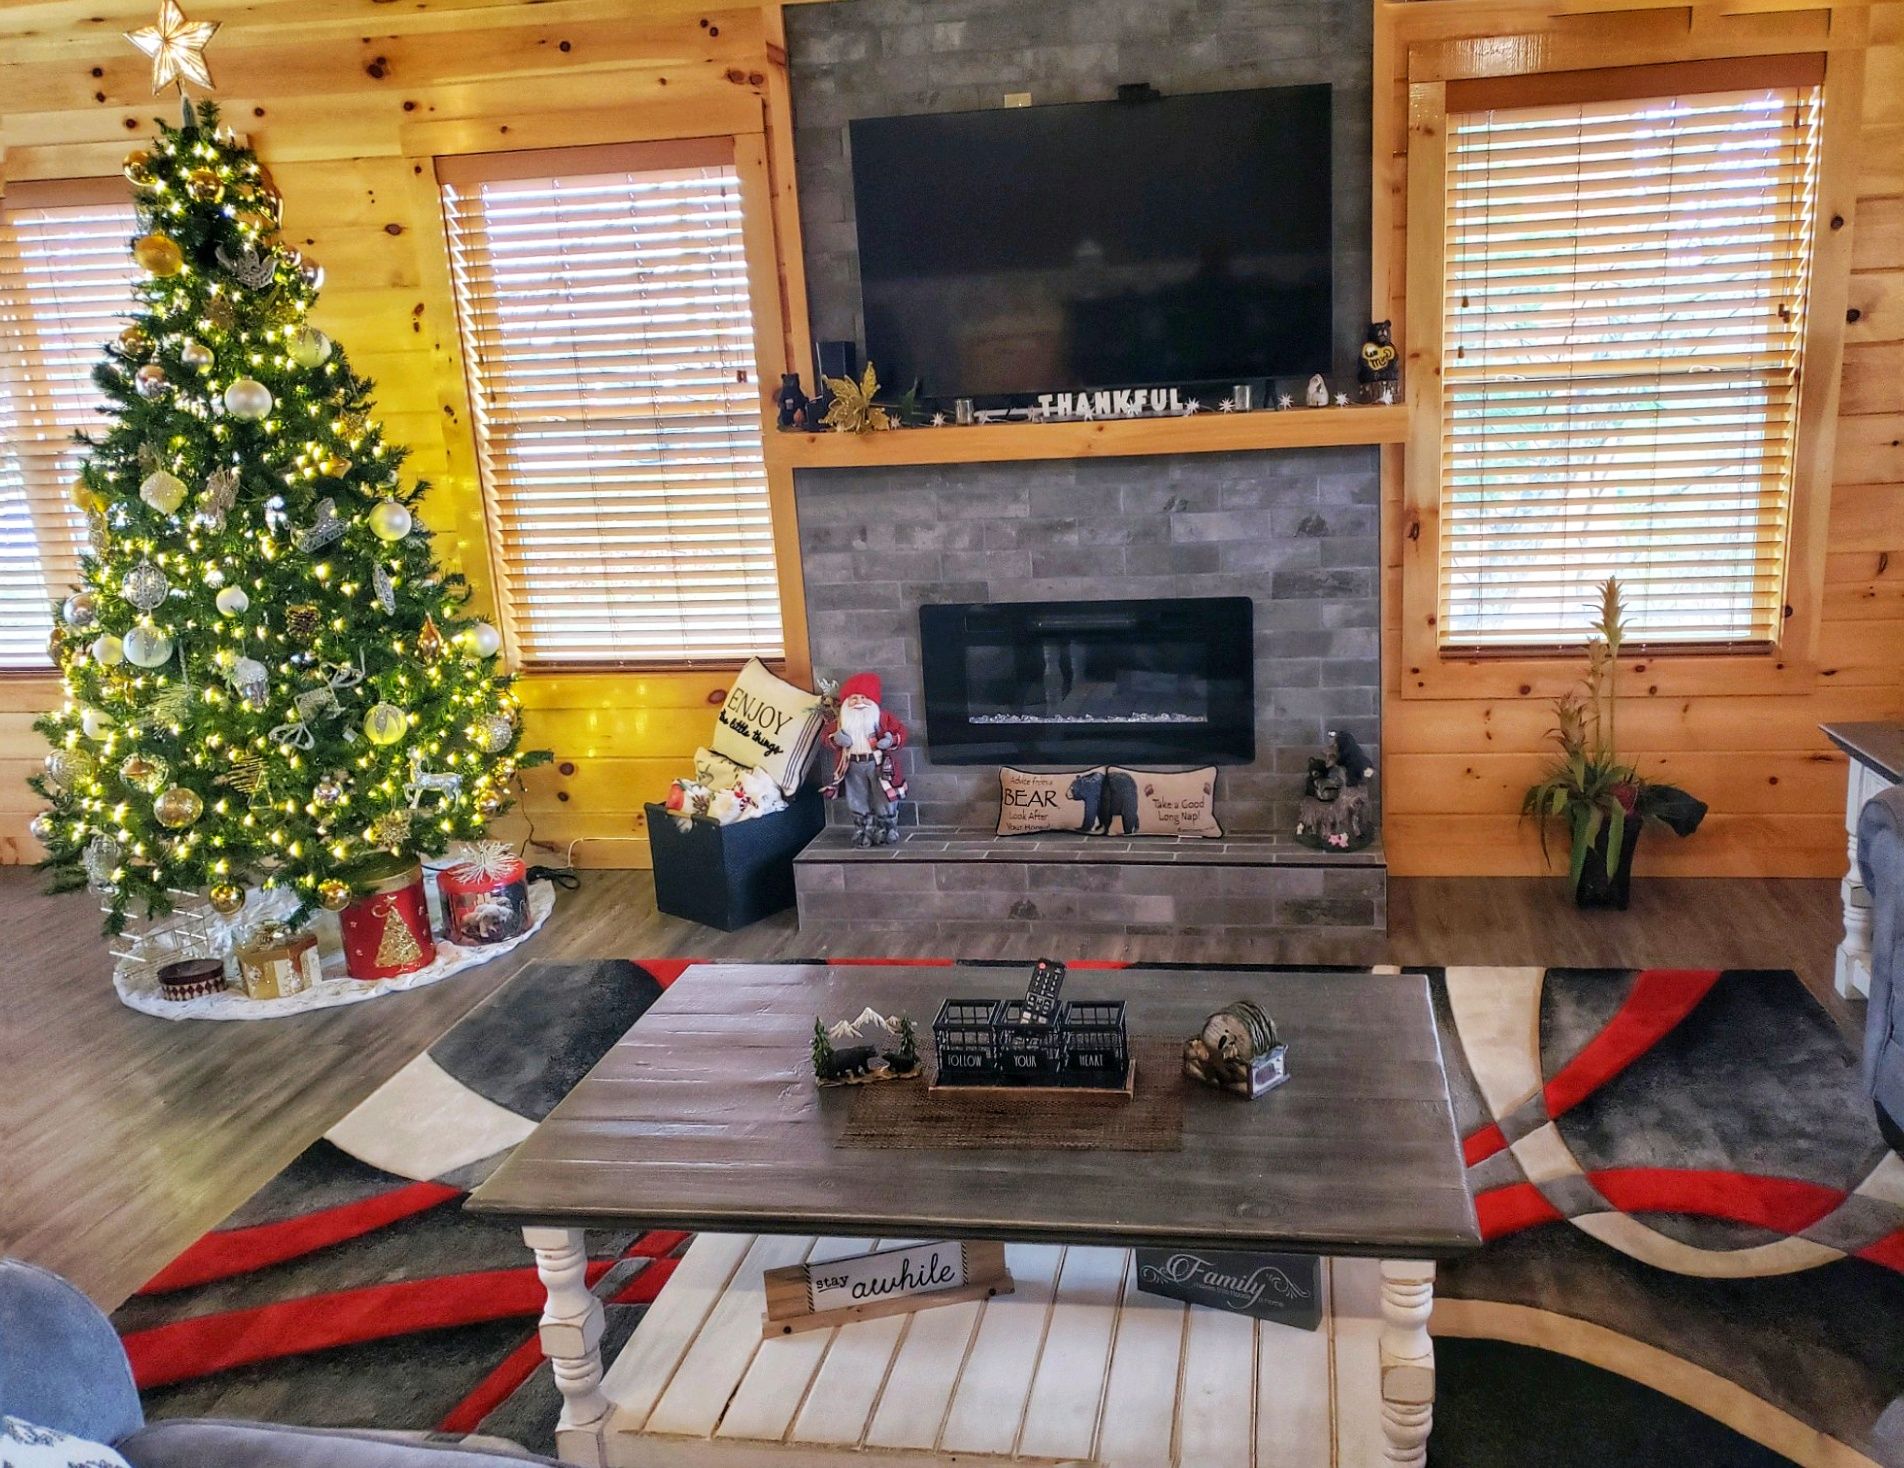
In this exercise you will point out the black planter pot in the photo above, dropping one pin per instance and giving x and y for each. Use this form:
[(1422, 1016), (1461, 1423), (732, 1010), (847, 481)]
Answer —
[(1595, 888)]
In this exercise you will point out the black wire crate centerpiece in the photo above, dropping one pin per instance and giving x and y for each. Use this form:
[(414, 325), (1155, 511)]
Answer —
[(962, 1036), (1034, 1041)]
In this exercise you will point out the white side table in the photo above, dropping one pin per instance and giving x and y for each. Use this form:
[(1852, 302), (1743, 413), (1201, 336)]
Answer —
[(1877, 762)]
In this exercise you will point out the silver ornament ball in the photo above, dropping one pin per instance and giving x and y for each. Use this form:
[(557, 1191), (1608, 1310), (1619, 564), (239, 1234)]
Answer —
[(80, 611), (390, 520), (196, 355), (147, 647), (145, 586), (248, 398)]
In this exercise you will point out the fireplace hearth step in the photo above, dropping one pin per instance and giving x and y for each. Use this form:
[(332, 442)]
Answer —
[(941, 885)]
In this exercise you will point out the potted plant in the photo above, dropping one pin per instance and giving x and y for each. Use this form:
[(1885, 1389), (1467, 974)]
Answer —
[(1601, 798)]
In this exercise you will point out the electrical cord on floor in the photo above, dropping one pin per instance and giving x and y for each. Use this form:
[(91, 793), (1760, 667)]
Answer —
[(567, 878)]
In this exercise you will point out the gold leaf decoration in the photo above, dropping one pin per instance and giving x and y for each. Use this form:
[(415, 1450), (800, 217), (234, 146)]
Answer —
[(853, 409)]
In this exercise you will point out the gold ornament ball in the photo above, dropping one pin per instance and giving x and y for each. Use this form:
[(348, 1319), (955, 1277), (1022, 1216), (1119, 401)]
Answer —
[(309, 347), (162, 490), (67, 767), (302, 621), (226, 898), (333, 466), (177, 808), (390, 520), (83, 498), (158, 255), (204, 185), (196, 355), (150, 380), (40, 828), (134, 341), (138, 169), (333, 894), (385, 724), (490, 803)]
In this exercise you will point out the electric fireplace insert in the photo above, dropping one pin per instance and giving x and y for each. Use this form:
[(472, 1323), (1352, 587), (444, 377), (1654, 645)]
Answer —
[(1164, 680)]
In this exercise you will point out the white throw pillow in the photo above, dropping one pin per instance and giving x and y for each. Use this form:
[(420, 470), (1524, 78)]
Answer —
[(716, 771), (768, 724), (22, 1445)]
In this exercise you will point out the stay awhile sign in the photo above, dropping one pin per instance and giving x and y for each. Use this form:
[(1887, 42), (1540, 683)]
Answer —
[(888, 1282)]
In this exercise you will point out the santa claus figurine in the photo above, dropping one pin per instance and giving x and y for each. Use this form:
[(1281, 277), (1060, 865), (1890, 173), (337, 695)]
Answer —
[(864, 739)]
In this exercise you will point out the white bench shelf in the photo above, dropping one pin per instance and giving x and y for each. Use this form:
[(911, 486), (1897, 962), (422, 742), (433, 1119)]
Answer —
[(1074, 1367)]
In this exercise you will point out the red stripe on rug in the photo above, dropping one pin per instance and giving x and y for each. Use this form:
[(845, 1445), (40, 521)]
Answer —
[(494, 1389), (656, 1244), (1661, 998), (230, 1251), (644, 1287), (506, 1377), (1482, 1144), (204, 1344), (1888, 1251), (664, 971), (1508, 1210), (1782, 1204)]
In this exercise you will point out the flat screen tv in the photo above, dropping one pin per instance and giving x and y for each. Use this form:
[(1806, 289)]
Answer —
[(1097, 244)]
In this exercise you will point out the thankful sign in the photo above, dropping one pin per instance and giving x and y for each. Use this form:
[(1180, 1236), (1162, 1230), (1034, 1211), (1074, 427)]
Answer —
[(887, 1282)]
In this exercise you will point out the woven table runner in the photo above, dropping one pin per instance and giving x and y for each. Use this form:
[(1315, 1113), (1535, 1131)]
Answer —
[(906, 1114)]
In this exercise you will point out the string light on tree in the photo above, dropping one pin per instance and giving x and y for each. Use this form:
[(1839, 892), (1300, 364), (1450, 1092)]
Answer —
[(248, 669)]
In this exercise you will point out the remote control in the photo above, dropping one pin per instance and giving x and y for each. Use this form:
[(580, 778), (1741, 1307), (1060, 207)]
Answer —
[(1041, 995)]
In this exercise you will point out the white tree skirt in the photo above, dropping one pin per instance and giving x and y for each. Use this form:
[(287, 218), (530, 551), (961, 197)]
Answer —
[(141, 990)]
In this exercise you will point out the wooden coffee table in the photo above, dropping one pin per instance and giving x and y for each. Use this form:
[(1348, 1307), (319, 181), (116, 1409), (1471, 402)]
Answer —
[(705, 1117)]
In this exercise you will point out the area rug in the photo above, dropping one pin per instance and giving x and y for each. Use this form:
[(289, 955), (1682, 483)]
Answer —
[(1695, 1234)]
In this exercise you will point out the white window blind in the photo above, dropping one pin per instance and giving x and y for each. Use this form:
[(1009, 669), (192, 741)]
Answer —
[(65, 289), (606, 323), (1624, 307)]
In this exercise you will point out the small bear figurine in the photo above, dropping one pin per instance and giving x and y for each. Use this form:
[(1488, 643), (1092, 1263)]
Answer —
[(1378, 367)]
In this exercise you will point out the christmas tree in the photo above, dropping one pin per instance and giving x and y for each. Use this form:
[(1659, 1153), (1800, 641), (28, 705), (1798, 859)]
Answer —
[(268, 681)]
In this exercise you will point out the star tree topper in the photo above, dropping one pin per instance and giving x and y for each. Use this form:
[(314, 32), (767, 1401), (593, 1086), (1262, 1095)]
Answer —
[(177, 48)]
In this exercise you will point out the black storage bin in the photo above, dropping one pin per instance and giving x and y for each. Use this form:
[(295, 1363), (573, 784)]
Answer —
[(730, 876)]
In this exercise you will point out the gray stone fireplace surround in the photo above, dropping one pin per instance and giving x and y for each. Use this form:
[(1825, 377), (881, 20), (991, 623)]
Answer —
[(1294, 530)]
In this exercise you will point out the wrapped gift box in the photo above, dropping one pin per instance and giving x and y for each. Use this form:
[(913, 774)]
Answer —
[(485, 893), (275, 964)]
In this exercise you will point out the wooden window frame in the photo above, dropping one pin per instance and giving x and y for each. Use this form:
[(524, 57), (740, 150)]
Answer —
[(1472, 77), (35, 689), (659, 138)]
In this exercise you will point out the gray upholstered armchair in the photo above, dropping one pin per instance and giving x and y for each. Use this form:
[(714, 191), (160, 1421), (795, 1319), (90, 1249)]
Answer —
[(61, 1366), (1881, 865)]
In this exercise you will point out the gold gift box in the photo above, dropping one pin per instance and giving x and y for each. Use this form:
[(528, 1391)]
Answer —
[(276, 964)]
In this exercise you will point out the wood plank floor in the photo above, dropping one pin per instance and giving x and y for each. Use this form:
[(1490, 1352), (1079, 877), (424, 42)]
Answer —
[(125, 1136)]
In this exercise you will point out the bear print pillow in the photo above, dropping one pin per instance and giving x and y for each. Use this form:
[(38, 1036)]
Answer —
[(1029, 802), (1160, 802)]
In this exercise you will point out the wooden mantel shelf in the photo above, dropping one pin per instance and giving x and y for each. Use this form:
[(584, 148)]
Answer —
[(1201, 433)]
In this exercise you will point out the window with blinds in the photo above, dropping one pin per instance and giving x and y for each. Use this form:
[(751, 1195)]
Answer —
[(65, 289), (1624, 305), (604, 309)]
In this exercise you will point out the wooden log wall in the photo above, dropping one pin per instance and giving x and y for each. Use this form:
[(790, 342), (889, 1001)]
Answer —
[(1456, 765), (347, 102)]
